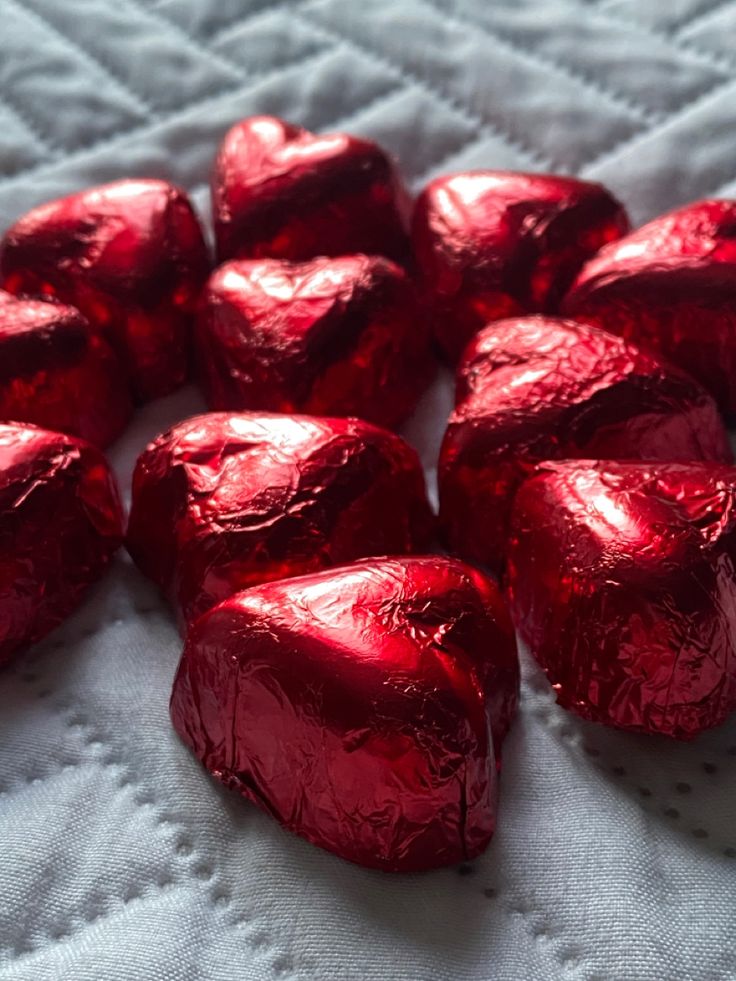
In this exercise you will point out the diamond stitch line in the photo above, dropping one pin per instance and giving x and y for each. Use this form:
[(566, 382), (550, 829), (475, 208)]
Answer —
[(431, 90), (635, 109), (121, 84), (192, 109)]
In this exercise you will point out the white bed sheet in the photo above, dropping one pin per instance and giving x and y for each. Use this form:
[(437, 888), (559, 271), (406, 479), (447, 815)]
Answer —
[(615, 856)]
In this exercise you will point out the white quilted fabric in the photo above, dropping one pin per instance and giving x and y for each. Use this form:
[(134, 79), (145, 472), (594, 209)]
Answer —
[(120, 860)]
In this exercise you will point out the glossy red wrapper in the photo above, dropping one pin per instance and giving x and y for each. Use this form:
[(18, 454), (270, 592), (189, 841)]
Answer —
[(671, 287), (60, 522), (225, 501), (56, 372), (356, 706), (492, 244), (340, 336), (279, 191), (623, 583), (539, 388), (131, 256)]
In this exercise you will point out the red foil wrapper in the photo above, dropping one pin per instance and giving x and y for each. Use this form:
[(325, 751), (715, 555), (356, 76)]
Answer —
[(356, 705), (279, 191), (130, 255), (623, 583), (492, 244), (671, 287), (540, 388), (225, 501), (56, 372), (60, 522), (340, 336)]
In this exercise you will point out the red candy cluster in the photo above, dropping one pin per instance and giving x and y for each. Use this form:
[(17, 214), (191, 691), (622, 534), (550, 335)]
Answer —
[(542, 389), (360, 699), (131, 256)]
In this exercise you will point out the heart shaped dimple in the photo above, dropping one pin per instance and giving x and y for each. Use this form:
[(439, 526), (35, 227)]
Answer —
[(341, 336), (622, 579), (493, 244), (542, 388), (224, 501), (356, 705), (55, 371), (131, 256), (60, 522), (671, 286), (280, 191)]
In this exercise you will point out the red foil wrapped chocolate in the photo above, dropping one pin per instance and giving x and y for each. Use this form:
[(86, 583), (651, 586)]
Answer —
[(356, 705), (60, 522), (55, 371), (623, 583), (539, 388), (492, 244), (131, 256), (279, 191), (340, 336), (671, 287), (225, 501)]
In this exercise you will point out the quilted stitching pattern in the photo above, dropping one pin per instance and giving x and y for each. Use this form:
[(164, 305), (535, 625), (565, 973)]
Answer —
[(200, 885)]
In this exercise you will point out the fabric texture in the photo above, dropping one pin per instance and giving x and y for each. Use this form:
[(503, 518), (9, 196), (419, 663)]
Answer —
[(615, 856)]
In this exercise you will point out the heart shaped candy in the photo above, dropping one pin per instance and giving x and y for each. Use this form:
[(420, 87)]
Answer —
[(356, 705), (539, 388), (60, 522), (671, 287), (491, 244), (622, 578), (55, 371), (280, 191), (130, 255), (224, 501), (340, 336)]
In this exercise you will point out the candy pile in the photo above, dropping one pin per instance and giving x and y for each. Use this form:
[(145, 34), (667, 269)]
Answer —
[(338, 671)]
